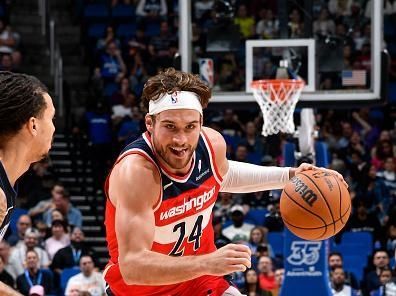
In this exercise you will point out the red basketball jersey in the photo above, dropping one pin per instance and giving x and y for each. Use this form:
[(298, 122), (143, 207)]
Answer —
[(183, 215)]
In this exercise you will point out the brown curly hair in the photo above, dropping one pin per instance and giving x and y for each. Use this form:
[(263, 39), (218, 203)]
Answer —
[(171, 80)]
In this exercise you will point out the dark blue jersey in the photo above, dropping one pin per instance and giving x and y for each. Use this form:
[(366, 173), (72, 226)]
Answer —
[(10, 194)]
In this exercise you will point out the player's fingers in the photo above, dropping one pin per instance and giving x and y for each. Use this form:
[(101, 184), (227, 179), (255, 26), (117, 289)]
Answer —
[(238, 261), (240, 248), (239, 267), (339, 176)]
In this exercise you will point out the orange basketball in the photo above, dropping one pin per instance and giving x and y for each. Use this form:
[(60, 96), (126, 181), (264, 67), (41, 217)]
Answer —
[(315, 205)]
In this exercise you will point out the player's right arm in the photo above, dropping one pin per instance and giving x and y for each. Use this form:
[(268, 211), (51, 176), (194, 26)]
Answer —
[(135, 187)]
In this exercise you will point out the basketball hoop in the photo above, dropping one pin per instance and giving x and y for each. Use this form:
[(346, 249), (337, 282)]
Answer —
[(277, 99)]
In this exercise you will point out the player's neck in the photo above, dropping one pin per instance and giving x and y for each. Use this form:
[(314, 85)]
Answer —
[(15, 161)]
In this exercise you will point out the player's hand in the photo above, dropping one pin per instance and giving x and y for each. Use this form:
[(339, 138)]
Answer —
[(308, 166), (228, 259)]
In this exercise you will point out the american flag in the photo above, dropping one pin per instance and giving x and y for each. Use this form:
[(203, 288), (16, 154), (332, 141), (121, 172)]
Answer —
[(353, 77)]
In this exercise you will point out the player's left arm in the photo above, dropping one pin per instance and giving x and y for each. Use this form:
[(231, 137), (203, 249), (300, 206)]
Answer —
[(240, 177)]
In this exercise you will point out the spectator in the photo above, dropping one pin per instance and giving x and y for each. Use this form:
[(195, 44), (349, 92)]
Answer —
[(338, 286), (230, 124), (44, 205), (34, 275), (37, 290), (7, 64), (383, 150), (252, 286), (70, 255), (295, 24), (223, 205), (239, 231), (18, 254), (279, 277), (245, 22), (5, 277), (253, 142), (388, 176), (130, 127), (340, 7), (266, 273), (63, 204), (219, 239), (324, 25), (59, 238), (5, 253), (241, 153), (268, 26), (127, 100), (372, 281), (163, 41), (98, 125), (202, 9), (361, 220), (120, 97), (7, 40), (88, 280), (152, 10), (335, 260), (24, 222), (258, 237), (110, 37), (273, 221), (111, 67), (388, 286)]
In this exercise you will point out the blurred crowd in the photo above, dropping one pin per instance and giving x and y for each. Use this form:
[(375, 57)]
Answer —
[(47, 240)]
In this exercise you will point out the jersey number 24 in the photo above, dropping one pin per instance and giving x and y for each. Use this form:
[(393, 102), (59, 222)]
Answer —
[(194, 237)]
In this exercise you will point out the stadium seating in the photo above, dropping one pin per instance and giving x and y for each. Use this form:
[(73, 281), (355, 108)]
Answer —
[(14, 218), (66, 274), (96, 31), (126, 30), (257, 216)]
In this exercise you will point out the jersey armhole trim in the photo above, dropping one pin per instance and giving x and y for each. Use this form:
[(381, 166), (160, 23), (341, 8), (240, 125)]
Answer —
[(212, 157)]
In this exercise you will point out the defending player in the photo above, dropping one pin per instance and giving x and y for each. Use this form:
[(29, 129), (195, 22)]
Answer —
[(26, 131), (161, 192)]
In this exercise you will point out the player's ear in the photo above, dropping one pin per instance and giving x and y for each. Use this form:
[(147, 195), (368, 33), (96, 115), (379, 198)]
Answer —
[(149, 120), (32, 125)]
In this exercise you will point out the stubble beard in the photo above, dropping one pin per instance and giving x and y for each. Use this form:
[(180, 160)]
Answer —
[(172, 162)]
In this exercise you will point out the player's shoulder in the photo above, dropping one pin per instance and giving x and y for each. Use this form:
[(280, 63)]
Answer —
[(136, 165), (216, 139)]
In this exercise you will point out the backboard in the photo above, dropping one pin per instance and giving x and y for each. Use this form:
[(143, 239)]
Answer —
[(336, 50)]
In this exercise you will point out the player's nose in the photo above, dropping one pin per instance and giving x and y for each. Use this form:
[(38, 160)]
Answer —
[(180, 139)]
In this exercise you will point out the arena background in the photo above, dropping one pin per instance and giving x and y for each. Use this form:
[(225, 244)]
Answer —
[(95, 56)]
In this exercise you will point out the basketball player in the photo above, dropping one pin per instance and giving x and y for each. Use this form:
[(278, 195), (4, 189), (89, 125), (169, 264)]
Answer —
[(26, 131), (161, 192)]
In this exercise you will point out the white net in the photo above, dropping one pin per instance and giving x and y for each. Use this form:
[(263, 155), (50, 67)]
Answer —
[(277, 100)]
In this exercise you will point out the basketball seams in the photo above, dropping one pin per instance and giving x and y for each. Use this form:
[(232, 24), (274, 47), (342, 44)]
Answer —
[(315, 228), (292, 199), (339, 190), (325, 200)]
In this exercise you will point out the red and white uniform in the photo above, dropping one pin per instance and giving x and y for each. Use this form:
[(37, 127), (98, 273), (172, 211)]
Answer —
[(183, 220)]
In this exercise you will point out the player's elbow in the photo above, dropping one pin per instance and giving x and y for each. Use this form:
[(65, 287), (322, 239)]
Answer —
[(130, 270)]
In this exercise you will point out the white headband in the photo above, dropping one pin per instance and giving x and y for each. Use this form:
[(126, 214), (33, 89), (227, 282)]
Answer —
[(176, 100)]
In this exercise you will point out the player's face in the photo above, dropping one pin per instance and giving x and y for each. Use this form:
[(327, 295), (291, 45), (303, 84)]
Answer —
[(175, 135), (44, 130)]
